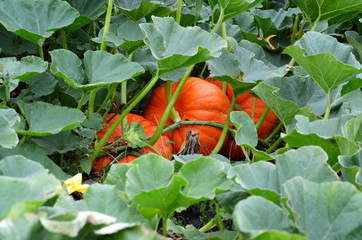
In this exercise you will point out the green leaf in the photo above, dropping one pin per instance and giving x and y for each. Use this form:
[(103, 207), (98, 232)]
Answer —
[(101, 68), (20, 195), (327, 61), (137, 9), (12, 44), (257, 179), (323, 133), (233, 8), (335, 12), (46, 119), (176, 47), (309, 162), (35, 154), (271, 22), (61, 142), (326, 210), (245, 129), (8, 137), (256, 215), (34, 20), (205, 177), (134, 134), (19, 166), (103, 199)]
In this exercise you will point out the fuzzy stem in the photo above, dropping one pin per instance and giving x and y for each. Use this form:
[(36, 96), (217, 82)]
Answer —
[(167, 111), (106, 25), (221, 19), (295, 27), (178, 11), (225, 129), (81, 101), (64, 39), (262, 117), (124, 113), (328, 109)]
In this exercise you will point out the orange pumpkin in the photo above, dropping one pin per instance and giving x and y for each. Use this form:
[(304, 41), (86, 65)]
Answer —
[(162, 145), (198, 101)]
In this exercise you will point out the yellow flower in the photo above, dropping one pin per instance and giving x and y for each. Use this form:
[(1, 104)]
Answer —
[(75, 184)]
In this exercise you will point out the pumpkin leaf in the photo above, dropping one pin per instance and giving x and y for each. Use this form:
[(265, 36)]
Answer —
[(337, 205), (46, 119), (103, 199), (327, 61), (137, 9), (329, 10), (31, 193), (245, 129), (180, 47), (27, 18), (101, 68), (233, 8), (20, 166), (134, 134), (256, 215), (36, 154), (8, 137)]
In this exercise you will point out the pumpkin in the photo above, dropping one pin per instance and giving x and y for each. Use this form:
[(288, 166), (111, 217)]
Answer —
[(198, 101), (162, 145), (245, 100)]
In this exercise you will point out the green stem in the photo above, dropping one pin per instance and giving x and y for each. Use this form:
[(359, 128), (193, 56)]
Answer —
[(91, 101), (207, 226), (328, 109), (81, 101), (295, 28), (64, 39), (124, 113), (225, 129), (274, 132), (221, 19), (178, 12), (275, 144), (253, 109), (262, 117), (164, 226), (41, 53), (106, 25), (169, 107)]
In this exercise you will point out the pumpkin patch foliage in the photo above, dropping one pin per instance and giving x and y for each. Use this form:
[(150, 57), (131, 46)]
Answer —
[(171, 119)]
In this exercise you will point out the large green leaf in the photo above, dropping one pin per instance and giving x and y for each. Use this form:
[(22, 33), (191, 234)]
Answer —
[(101, 68), (19, 166), (20, 195), (335, 12), (89, 10), (233, 8), (35, 20), (103, 199), (36, 154), (46, 119), (137, 9), (327, 61), (256, 215), (326, 210), (175, 47), (8, 137), (323, 133)]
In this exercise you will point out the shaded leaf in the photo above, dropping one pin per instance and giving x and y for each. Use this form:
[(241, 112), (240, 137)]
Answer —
[(256, 215), (46, 119), (34, 20), (326, 210), (175, 47)]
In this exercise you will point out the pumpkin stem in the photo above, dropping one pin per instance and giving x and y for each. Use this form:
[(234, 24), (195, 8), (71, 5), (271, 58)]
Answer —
[(226, 127)]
